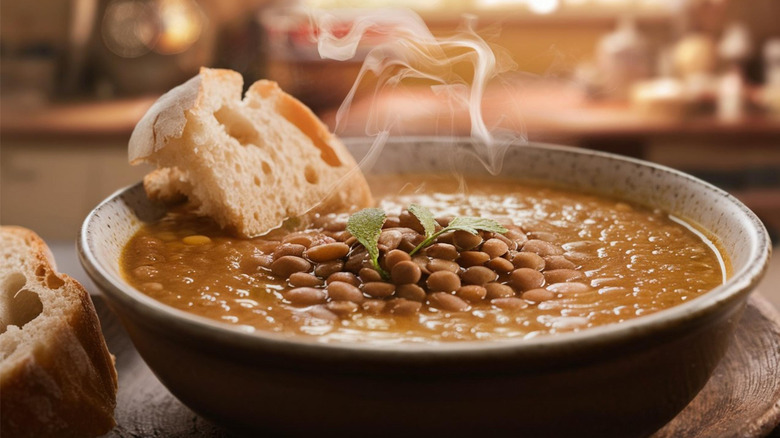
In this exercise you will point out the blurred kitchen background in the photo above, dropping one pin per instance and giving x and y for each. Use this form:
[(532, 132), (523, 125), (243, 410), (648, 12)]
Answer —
[(693, 84)]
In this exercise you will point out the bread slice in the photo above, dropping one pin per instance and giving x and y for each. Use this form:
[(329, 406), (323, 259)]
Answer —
[(57, 377), (248, 163)]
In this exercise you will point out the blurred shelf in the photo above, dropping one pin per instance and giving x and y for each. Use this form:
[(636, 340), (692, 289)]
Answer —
[(64, 121), (542, 110)]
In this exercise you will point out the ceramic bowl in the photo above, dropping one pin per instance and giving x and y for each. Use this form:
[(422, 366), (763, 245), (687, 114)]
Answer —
[(625, 379)]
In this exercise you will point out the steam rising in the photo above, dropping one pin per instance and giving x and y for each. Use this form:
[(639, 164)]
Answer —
[(409, 51)]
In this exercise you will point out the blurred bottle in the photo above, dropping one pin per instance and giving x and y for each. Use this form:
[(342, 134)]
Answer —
[(623, 57), (772, 62), (731, 95), (735, 45), (771, 93), (734, 49)]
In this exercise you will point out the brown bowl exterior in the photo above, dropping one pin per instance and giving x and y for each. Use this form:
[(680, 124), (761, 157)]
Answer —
[(623, 380)]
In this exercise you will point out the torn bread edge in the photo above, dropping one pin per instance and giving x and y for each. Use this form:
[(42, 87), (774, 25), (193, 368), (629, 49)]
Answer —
[(57, 377), (248, 162)]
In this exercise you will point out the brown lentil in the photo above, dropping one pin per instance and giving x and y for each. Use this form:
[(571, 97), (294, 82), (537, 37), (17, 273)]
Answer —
[(494, 248), (390, 239), (320, 238), (498, 290), (538, 295), (340, 236), (527, 260), (394, 257), (392, 222), (442, 251), (468, 259), (447, 237), (289, 249), (447, 302), (509, 303), (466, 241), (443, 281), (287, 265), (410, 292), (357, 261), (558, 262), (472, 293), (378, 289), (327, 252), (444, 221), (341, 291), (517, 236), (562, 275), (304, 279), (500, 265), (346, 277), (422, 261), (304, 296), (409, 220), (478, 275), (369, 274), (443, 265), (511, 245), (569, 288), (335, 225), (405, 272), (407, 245), (403, 307), (526, 279), (325, 270)]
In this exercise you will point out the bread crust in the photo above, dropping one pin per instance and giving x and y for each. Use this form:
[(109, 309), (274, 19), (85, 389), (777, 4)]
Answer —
[(249, 162), (57, 377), (164, 120)]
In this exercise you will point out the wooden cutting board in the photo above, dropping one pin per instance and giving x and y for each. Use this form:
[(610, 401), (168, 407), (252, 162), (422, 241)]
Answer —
[(742, 399)]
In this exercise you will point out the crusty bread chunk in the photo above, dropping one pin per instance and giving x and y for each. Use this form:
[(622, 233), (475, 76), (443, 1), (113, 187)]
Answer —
[(248, 163), (57, 377)]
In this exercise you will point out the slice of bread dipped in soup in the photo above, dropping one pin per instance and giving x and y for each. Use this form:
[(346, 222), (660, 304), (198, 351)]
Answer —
[(248, 163)]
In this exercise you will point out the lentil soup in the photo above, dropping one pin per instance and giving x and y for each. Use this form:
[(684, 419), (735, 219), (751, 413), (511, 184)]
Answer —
[(568, 261)]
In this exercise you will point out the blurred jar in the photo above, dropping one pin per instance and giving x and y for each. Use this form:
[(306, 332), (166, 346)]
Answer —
[(33, 50), (694, 55), (149, 46), (294, 62)]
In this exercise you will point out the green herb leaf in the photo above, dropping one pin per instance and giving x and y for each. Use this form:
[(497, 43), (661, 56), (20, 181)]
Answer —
[(425, 217), (366, 225), (473, 224), (466, 223)]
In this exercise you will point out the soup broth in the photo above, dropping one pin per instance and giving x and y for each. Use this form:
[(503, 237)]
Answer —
[(569, 261)]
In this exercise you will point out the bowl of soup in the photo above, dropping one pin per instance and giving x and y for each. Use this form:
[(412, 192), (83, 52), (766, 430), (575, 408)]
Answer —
[(599, 307)]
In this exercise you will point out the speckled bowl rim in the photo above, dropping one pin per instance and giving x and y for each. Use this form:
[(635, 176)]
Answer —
[(738, 286)]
